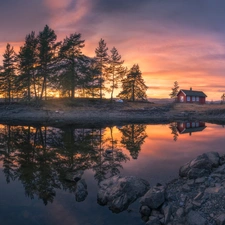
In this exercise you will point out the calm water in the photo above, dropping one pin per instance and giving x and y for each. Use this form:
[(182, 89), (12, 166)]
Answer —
[(34, 160)]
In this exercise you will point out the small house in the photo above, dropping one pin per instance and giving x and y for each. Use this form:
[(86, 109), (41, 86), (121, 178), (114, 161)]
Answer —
[(190, 96)]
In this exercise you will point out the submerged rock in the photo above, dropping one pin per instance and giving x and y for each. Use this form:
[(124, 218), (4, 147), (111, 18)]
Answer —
[(119, 192), (81, 191)]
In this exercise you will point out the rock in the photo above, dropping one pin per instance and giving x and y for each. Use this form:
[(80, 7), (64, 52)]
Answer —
[(180, 212), (74, 176), (153, 221), (154, 197), (167, 211), (195, 218), (119, 192), (195, 173), (186, 188), (145, 210), (198, 196), (200, 166), (214, 190), (81, 191), (200, 180), (220, 220), (220, 170), (214, 158)]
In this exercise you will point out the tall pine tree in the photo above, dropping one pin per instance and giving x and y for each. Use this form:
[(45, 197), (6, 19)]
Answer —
[(71, 56), (115, 71), (27, 59), (46, 52), (102, 59), (133, 85), (174, 91), (8, 74)]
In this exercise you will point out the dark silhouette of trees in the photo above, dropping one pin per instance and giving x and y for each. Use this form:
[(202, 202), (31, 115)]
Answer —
[(71, 56), (175, 91), (133, 137), (115, 71), (47, 48), (133, 85), (102, 60), (44, 67), (8, 74), (27, 60)]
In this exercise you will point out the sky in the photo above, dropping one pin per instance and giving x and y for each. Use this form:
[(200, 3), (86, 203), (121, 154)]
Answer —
[(171, 40)]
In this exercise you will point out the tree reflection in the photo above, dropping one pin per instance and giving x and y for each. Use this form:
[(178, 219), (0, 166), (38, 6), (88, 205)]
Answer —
[(133, 137), (174, 131), (43, 157)]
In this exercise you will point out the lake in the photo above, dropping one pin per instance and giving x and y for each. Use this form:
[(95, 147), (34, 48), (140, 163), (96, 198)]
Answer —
[(35, 163)]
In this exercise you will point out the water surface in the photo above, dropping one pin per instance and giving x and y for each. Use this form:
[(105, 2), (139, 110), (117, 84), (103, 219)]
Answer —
[(34, 162)]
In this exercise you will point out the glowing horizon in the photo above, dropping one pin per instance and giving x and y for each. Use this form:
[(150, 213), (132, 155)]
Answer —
[(171, 41)]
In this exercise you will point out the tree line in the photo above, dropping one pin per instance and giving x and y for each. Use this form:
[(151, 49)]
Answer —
[(44, 65)]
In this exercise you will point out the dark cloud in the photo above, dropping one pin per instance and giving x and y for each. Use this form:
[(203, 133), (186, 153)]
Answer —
[(20, 17)]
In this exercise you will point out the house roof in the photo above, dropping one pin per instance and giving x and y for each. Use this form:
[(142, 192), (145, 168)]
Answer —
[(193, 93)]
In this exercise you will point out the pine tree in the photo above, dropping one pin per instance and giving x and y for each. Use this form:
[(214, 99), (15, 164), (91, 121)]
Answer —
[(8, 74), (27, 59), (175, 91), (46, 52), (71, 62), (223, 98), (115, 71), (133, 85), (102, 59)]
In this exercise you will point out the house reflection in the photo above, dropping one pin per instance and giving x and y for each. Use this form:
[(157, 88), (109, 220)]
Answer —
[(190, 127)]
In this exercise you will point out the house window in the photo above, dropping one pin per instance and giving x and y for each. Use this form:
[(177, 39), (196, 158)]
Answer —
[(197, 99), (188, 125), (181, 98), (193, 98), (197, 124), (193, 124), (188, 98)]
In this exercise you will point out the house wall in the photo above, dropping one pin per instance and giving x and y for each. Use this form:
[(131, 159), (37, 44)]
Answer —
[(181, 95)]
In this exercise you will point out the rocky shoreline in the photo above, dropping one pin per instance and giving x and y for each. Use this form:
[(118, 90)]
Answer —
[(197, 197)]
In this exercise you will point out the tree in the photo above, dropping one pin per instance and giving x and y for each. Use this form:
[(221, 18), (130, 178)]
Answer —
[(102, 59), (71, 57), (175, 91), (27, 59), (223, 98), (8, 74), (46, 52), (133, 85), (115, 72)]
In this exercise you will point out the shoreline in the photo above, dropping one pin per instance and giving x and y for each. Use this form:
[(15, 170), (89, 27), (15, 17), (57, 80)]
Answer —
[(111, 114)]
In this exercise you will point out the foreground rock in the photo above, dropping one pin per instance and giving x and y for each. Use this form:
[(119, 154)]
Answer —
[(190, 200), (119, 192)]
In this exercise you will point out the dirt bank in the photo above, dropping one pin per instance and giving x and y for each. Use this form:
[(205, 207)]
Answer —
[(91, 112)]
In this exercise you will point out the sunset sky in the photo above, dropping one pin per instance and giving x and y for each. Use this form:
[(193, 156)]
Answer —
[(171, 40)]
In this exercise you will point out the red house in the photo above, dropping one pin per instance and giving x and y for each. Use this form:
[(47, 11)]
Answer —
[(190, 96)]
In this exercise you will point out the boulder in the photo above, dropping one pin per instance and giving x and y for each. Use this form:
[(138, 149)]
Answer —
[(200, 166), (195, 218), (220, 220), (154, 197), (145, 210), (119, 192), (153, 221), (81, 191)]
